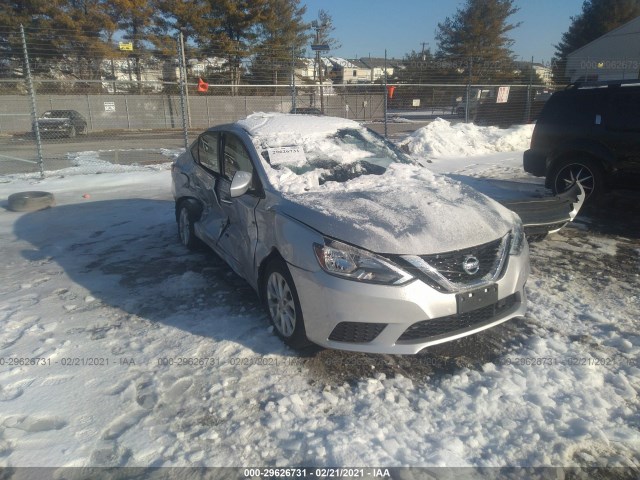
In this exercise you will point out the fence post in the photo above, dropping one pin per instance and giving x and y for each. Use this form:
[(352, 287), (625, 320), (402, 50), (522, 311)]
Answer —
[(32, 96), (293, 79), (89, 110), (527, 112), (385, 94), (206, 101), (182, 91), (468, 101), (126, 108), (186, 86)]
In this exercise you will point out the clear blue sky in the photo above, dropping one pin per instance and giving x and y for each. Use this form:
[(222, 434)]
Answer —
[(370, 26)]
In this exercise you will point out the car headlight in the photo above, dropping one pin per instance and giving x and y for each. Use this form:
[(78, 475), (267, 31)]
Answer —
[(517, 238), (345, 261)]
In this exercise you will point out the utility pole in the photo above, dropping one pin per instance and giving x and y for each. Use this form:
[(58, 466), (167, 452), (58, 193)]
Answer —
[(424, 57), (318, 48)]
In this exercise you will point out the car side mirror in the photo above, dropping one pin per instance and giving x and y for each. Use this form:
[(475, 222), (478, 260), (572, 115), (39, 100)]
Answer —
[(240, 183)]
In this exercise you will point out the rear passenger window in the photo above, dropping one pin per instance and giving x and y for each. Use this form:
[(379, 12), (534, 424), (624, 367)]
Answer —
[(624, 111), (208, 151)]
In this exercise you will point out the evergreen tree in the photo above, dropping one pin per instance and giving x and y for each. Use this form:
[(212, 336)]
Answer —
[(135, 19), (597, 18), (325, 28), (62, 35), (191, 17), (281, 34), (476, 39), (232, 31), (37, 16)]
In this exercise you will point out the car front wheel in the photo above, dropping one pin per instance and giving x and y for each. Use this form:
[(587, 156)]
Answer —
[(281, 299), (589, 173), (186, 219)]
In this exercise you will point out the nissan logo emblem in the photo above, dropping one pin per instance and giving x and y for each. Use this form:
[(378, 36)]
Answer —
[(471, 264)]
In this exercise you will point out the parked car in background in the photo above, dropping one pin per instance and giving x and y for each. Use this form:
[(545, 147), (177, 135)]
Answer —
[(62, 123), (350, 243), (589, 133)]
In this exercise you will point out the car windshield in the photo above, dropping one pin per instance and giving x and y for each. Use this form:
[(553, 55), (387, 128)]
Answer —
[(339, 156)]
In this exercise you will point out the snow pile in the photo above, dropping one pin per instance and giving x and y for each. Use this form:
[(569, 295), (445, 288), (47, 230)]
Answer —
[(441, 138)]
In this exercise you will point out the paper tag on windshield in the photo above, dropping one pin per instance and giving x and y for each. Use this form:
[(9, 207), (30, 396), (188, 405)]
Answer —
[(287, 156)]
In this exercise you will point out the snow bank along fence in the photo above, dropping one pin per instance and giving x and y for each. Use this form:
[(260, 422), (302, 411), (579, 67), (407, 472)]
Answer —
[(140, 105)]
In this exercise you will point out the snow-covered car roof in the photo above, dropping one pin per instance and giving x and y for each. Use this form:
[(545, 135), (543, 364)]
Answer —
[(289, 126)]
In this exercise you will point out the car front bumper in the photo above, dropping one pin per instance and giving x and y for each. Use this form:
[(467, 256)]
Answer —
[(349, 315)]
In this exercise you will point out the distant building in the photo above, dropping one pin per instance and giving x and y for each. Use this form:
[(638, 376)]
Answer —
[(349, 71), (543, 72), (307, 69), (377, 67), (613, 56)]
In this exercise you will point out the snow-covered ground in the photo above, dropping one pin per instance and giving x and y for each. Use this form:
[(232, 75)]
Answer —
[(118, 347)]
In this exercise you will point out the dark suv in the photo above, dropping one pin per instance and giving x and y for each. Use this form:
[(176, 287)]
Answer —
[(588, 132)]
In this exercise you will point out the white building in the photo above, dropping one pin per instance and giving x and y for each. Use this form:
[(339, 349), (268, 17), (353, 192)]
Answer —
[(614, 56)]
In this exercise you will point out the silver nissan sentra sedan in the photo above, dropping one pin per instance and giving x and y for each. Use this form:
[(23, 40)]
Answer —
[(349, 243)]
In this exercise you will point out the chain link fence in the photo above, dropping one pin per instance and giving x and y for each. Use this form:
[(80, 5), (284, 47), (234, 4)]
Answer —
[(100, 106)]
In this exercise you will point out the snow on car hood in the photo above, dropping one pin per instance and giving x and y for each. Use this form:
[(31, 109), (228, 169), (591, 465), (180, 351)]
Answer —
[(404, 211)]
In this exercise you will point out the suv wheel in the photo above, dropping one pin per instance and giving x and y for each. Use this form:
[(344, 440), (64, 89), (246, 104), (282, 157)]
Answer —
[(588, 172)]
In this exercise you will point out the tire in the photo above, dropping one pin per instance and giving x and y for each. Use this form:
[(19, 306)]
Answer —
[(31, 201), (589, 172), (283, 305), (187, 216)]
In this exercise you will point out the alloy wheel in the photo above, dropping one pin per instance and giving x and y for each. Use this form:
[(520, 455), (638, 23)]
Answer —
[(281, 304), (572, 173)]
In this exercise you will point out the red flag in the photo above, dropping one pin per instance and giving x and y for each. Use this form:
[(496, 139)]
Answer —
[(390, 90), (202, 85)]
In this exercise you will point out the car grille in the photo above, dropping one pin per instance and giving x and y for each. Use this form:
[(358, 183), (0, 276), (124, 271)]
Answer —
[(443, 325), (449, 265), (356, 332)]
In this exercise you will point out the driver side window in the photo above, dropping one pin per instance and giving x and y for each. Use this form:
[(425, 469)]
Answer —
[(208, 151), (236, 156)]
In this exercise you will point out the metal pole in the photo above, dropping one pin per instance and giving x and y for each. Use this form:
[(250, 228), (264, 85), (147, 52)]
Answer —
[(385, 93), (90, 114), (293, 79), (466, 108), (527, 112), (126, 108), (182, 88), (32, 96), (184, 66)]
